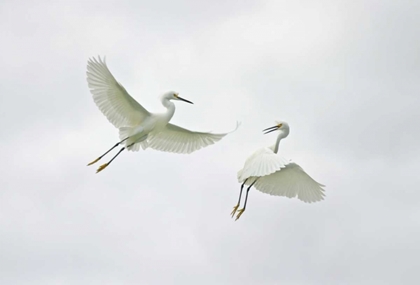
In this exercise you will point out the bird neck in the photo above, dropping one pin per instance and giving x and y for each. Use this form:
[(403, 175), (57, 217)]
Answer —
[(170, 108), (275, 147)]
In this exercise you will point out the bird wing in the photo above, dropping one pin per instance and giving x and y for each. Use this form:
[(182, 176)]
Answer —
[(179, 140), (291, 181), (263, 162), (111, 97)]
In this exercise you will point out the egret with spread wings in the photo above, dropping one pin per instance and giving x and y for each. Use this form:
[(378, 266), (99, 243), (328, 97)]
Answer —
[(138, 127), (272, 174)]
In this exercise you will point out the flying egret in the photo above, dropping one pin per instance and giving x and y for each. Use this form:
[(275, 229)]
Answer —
[(138, 127), (270, 173)]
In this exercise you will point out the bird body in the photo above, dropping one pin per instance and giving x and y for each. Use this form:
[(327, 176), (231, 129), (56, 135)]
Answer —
[(152, 124), (270, 173), (138, 128), (261, 163)]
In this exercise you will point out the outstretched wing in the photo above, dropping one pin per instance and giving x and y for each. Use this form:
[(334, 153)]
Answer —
[(179, 140), (111, 97), (291, 181), (263, 162)]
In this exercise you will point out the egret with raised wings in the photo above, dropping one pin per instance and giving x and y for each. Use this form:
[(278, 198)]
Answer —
[(270, 173), (138, 127)]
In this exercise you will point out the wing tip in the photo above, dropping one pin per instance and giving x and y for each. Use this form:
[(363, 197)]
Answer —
[(238, 124), (99, 60)]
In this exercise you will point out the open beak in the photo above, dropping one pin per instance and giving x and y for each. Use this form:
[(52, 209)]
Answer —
[(270, 129), (185, 100)]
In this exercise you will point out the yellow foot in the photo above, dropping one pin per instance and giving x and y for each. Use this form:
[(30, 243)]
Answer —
[(95, 161), (234, 210), (240, 211), (102, 167)]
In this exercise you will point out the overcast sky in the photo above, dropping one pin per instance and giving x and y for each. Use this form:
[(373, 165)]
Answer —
[(343, 74)]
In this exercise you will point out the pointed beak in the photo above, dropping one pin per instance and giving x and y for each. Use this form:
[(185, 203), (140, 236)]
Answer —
[(270, 129), (185, 100)]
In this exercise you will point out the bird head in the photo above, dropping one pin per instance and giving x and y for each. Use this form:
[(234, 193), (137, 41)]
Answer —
[(280, 126), (171, 95)]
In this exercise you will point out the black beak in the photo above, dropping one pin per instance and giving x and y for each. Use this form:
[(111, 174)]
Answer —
[(270, 129), (185, 100)]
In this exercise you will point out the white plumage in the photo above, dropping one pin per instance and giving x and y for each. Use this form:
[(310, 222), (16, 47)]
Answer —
[(139, 128), (263, 162), (270, 173), (111, 97), (179, 140)]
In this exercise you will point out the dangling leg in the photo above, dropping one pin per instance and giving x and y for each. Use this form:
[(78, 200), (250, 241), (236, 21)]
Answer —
[(240, 211), (117, 144), (239, 200), (102, 167)]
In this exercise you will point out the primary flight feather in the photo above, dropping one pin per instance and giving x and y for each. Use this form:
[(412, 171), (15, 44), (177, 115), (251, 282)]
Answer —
[(138, 128), (270, 173)]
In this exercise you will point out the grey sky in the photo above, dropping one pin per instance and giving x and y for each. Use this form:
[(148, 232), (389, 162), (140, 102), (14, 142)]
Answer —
[(344, 74)]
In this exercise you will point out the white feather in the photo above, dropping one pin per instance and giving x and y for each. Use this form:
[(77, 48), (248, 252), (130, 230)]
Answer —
[(275, 175), (291, 181), (137, 127), (262, 162), (112, 98), (179, 140)]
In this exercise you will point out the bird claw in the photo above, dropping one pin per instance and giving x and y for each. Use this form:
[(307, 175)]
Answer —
[(95, 161), (240, 211), (234, 210), (102, 167)]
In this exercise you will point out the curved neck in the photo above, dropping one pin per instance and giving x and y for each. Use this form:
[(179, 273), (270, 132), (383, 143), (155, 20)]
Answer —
[(279, 138), (170, 108)]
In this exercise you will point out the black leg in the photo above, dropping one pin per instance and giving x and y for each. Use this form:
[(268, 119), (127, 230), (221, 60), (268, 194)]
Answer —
[(116, 155), (102, 167), (240, 212), (239, 200), (117, 144), (242, 188), (247, 190)]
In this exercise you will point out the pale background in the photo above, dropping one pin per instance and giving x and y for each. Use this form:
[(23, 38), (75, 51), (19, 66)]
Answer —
[(344, 74)]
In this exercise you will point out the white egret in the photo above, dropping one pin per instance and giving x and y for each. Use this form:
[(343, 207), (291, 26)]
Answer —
[(269, 173), (138, 127)]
